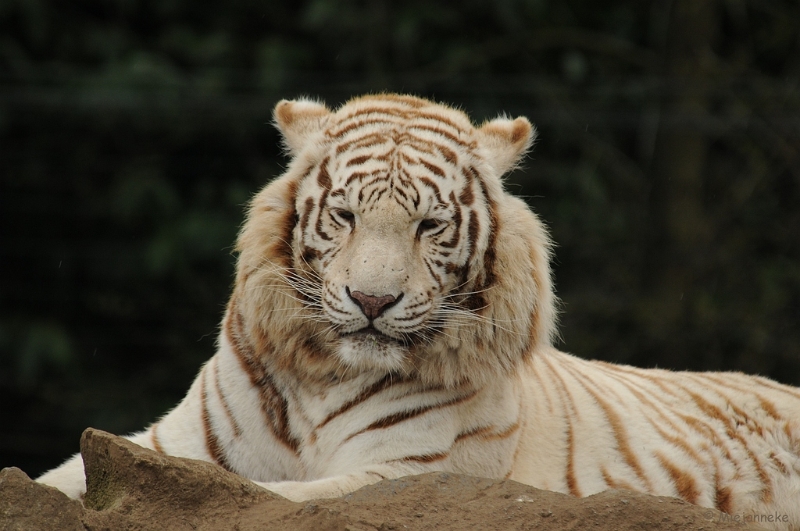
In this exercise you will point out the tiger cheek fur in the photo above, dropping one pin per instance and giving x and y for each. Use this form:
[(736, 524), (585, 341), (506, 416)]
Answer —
[(393, 314)]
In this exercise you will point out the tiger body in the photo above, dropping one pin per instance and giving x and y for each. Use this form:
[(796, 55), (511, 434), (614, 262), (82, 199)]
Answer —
[(393, 314)]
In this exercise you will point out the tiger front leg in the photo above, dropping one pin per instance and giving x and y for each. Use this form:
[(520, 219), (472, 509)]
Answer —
[(336, 486), (69, 478)]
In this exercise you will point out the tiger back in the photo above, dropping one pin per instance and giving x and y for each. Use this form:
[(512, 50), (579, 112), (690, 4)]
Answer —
[(393, 314)]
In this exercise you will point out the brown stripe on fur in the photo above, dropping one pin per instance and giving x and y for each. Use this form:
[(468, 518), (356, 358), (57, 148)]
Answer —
[(723, 499), (309, 353), (367, 141), (358, 160), (378, 387), (568, 403), (276, 412), (379, 188), (358, 124), (436, 170), (308, 254), (447, 134), (425, 458), (396, 418), (273, 405), (766, 405), (411, 101), (323, 178), (571, 477), (680, 442), (318, 226), (373, 112), (778, 387), (433, 186), (448, 154), (714, 412), (778, 463), (281, 249), (653, 379), (640, 394), (490, 255), (433, 274), (441, 119), (487, 433), (467, 196), (457, 220), (399, 191), (234, 331), (615, 483), (508, 432), (684, 483), (212, 443), (402, 113), (473, 228), (218, 387), (749, 422), (619, 431), (154, 438), (704, 430), (417, 144), (519, 445), (308, 207), (358, 175), (538, 378), (474, 432)]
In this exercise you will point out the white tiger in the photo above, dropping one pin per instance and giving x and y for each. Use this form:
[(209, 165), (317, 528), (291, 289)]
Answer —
[(393, 314)]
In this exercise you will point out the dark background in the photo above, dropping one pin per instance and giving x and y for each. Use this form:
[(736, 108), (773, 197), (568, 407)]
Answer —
[(132, 134)]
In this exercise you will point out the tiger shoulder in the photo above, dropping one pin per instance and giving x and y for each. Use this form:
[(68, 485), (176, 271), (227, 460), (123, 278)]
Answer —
[(393, 314)]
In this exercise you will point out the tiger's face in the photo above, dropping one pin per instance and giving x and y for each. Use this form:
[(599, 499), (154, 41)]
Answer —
[(391, 230), (401, 250)]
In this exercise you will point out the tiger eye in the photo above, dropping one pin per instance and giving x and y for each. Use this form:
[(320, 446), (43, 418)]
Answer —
[(427, 225), (345, 215)]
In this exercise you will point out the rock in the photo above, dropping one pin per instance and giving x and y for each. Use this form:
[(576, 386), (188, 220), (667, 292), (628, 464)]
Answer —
[(127, 485), (26, 505), (131, 488)]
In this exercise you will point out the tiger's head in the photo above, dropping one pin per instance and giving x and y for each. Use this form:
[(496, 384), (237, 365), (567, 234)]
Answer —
[(390, 245)]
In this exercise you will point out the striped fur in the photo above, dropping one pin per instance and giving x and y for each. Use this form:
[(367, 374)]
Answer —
[(393, 314)]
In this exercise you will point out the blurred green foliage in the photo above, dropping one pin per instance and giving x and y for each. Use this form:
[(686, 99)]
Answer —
[(133, 132)]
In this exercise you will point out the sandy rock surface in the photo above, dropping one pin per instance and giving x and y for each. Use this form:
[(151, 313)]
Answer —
[(131, 488)]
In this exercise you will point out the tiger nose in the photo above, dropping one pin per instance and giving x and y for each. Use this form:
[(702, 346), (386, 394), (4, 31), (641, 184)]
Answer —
[(371, 305)]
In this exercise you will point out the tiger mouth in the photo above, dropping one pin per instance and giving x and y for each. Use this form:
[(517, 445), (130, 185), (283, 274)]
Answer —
[(370, 334)]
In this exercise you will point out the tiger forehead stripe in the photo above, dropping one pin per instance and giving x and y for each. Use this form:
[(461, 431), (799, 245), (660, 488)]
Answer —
[(369, 140), (404, 114), (409, 120)]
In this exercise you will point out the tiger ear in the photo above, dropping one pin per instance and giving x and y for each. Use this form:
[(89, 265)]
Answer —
[(298, 121), (505, 141)]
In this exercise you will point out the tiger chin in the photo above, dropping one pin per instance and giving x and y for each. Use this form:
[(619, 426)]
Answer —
[(393, 314)]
